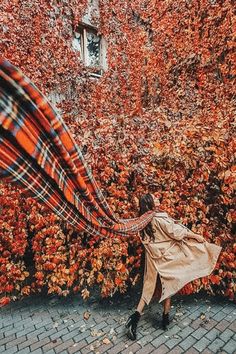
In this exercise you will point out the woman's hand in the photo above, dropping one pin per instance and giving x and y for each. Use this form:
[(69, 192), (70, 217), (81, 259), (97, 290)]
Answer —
[(196, 237)]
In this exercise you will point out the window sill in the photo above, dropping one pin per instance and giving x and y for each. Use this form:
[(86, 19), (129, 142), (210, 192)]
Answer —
[(95, 75)]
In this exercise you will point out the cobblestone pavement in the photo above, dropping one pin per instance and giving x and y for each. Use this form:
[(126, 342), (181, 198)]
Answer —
[(40, 324)]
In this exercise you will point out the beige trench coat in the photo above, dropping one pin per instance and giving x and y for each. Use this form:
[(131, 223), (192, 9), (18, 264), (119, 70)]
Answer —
[(177, 254)]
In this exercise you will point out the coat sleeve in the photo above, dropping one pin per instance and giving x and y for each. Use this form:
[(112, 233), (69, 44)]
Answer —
[(177, 231)]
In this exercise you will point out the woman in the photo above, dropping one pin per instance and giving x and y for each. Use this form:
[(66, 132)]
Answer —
[(174, 256)]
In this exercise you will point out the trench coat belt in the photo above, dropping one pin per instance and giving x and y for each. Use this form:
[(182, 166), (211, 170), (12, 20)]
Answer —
[(173, 243)]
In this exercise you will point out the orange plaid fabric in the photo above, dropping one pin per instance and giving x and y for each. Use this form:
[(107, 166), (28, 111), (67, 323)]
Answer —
[(38, 152)]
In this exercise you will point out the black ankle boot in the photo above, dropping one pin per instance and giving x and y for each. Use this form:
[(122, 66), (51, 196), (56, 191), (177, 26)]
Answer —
[(131, 324), (165, 320)]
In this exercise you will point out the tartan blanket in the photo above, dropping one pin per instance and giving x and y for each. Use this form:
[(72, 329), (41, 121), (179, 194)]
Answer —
[(38, 153)]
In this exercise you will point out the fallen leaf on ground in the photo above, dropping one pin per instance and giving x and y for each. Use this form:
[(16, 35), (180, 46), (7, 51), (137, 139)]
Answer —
[(106, 341), (96, 333), (203, 316), (178, 314), (86, 315)]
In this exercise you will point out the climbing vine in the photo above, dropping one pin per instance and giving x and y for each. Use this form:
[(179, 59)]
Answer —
[(160, 119)]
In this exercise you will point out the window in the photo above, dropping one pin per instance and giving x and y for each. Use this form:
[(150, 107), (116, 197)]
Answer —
[(92, 48)]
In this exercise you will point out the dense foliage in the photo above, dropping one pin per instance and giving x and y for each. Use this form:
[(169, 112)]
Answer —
[(160, 119)]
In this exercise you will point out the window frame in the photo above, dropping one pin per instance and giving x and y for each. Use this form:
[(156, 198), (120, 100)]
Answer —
[(83, 29)]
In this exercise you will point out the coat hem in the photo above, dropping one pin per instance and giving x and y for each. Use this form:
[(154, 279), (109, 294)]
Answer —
[(200, 275)]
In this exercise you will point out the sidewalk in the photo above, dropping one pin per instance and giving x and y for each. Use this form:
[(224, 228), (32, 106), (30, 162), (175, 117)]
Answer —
[(200, 324)]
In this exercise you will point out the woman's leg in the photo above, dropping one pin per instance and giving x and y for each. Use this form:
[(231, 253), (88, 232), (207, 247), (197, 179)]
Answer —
[(166, 305), (140, 306)]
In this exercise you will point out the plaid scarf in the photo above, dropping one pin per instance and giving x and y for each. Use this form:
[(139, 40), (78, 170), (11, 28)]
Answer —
[(38, 153)]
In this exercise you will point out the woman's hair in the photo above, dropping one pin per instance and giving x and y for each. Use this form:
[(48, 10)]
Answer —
[(146, 203)]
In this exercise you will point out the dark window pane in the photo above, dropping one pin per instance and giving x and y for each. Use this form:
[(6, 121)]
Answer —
[(93, 46)]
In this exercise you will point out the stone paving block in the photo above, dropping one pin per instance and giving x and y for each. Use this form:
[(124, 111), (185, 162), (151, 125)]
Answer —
[(214, 309), (199, 333), (145, 339), (39, 344), (90, 339), (226, 335), (161, 350), (209, 324), (233, 326), (148, 348), (44, 323), (7, 329), (194, 315), (192, 351), (28, 342), (207, 351), (184, 323), (201, 344), (173, 330), (70, 335), (133, 348), (197, 323), (171, 343), (230, 347), (24, 351), (11, 350), (25, 331), (47, 333), (59, 334), (7, 339), (51, 345), (11, 331), (185, 332), (118, 348), (176, 350), (8, 323), (102, 325), (64, 345), (35, 333), (222, 325), (78, 324), (82, 335), (228, 308), (187, 342), (37, 351), (219, 316), (105, 347), (160, 340), (150, 329), (76, 347), (90, 348), (216, 345), (121, 329), (16, 341), (212, 334), (110, 320)]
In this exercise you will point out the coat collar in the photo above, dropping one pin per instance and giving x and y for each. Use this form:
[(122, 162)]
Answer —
[(161, 214)]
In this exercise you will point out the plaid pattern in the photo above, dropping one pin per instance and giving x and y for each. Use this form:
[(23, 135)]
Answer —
[(38, 153)]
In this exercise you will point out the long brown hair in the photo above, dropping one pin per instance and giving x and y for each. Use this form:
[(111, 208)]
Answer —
[(146, 203)]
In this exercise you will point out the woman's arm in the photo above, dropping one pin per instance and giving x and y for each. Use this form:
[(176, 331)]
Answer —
[(197, 237), (177, 231)]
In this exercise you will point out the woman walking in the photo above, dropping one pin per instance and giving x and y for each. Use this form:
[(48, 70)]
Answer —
[(174, 256)]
